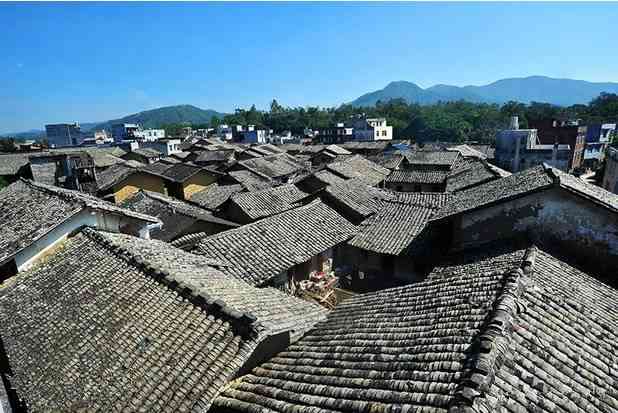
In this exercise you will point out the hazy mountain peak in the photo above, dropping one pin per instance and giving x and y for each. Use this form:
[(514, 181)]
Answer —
[(537, 88)]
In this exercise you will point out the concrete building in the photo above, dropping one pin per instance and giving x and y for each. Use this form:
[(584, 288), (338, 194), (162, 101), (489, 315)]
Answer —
[(371, 129), (253, 135), (339, 133), (572, 133), (150, 135), (125, 131), (225, 132), (63, 134), (165, 146), (598, 137), (610, 177), (519, 149)]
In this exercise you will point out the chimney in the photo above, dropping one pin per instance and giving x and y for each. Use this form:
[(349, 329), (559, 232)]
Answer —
[(514, 123)]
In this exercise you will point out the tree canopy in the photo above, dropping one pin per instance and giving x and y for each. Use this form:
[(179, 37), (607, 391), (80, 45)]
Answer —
[(445, 121)]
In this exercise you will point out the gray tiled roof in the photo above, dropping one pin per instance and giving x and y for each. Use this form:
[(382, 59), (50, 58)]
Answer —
[(273, 166), (522, 183), (337, 150), (467, 151), (398, 222), (215, 195), (494, 191), (436, 158), (267, 202), (359, 167), (113, 175), (356, 196), (112, 322), (484, 333), (580, 187), (262, 250), (251, 181), (10, 164), (29, 210), (147, 152), (177, 216), (470, 172), (418, 176)]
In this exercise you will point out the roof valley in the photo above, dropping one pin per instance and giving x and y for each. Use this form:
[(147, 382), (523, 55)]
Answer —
[(493, 341)]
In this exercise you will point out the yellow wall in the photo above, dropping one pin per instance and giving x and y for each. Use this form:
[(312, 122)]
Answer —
[(134, 183), (197, 182)]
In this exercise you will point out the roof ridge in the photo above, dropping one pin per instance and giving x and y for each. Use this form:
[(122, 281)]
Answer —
[(243, 324), (549, 170), (493, 340)]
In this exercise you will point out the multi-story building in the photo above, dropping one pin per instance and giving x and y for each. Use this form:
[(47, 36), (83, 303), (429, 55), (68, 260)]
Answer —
[(519, 149), (150, 135), (165, 146), (225, 132), (572, 133), (253, 135), (371, 129), (63, 134), (598, 137), (339, 133), (125, 131)]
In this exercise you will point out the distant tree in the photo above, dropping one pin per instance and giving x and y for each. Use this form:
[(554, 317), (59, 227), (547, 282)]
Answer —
[(275, 107), (7, 145)]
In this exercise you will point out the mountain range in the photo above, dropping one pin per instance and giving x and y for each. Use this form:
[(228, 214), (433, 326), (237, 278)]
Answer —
[(562, 92)]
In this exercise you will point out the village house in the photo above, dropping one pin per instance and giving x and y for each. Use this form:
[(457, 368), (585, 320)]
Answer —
[(36, 217), (121, 181), (178, 217), (371, 129), (183, 180), (498, 330), (598, 137), (392, 246), (519, 149), (556, 210), (111, 322), (166, 146), (336, 134), (330, 153), (552, 131), (423, 171), (280, 249), (247, 207), (143, 155)]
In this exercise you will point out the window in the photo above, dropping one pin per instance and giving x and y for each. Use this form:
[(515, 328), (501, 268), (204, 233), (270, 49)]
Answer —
[(384, 133)]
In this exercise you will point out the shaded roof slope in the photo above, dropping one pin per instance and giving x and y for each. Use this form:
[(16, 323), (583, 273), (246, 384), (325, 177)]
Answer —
[(262, 250), (398, 222), (176, 215), (112, 322), (486, 332), (267, 202)]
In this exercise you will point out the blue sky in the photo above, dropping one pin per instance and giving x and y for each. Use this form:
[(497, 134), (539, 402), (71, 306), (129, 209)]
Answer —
[(92, 62)]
